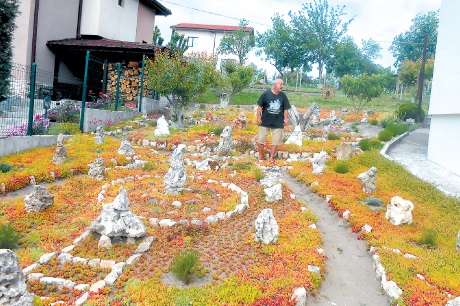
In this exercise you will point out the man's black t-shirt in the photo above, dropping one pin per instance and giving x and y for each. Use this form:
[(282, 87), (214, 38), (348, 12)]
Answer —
[(273, 107)]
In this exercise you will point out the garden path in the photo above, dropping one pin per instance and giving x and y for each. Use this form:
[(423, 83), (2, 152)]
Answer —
[(350, 277)]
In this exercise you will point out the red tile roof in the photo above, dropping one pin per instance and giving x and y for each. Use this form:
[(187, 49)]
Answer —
[(211, 27)]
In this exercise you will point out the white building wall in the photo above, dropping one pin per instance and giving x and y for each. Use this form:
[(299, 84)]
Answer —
[(145, 24), (23, 33), (206, 41), (444, 143), (107, 19)]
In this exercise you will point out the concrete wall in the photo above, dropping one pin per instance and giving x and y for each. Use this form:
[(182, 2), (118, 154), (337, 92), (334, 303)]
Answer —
[(15, 144), (97, 117), (444, 145), (145, 24)]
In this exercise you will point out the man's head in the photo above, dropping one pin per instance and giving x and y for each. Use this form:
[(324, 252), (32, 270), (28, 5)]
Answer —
[(278, 86)]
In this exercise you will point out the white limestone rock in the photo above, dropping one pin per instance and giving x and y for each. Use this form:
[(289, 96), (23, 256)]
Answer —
[(399, 211)]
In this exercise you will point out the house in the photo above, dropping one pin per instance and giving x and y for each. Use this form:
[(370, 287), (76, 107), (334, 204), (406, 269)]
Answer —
[(207, 38), (56, 34), (444, 144)]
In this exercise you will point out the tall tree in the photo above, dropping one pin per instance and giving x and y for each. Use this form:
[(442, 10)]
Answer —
[(409, 45), (279, 47), (157, 39), (180, 80), (371, 49), (178, 43), (240, 42), (362, 89), (8, 12), (319, 28)]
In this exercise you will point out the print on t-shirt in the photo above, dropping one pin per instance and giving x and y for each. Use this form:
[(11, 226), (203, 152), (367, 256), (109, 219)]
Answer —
[(275, 107)]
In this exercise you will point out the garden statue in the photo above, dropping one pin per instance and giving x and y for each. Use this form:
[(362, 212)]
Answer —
[(296, 137)]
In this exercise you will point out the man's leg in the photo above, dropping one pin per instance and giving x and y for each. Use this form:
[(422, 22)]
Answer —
[(260, 147), (277, 139), (273, 152), (262, 138)]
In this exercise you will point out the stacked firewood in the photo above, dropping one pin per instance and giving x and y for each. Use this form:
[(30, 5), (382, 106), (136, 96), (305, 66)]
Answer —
[(130, 76)]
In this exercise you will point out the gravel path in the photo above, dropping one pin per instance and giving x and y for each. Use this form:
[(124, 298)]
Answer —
[(350, 277)]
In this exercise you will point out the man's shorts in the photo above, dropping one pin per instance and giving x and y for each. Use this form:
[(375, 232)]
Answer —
[(277, 135)]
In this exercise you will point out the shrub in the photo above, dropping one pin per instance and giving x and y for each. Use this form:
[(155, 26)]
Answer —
[(429, 238), (5, 167), (341, 168), (244, 145), (409, 110), (385, 135), (218, 130), (8, 236), (398, 129), (388, 119), (258, 173), (374, 122), (332, 136), (366, 144), (371, 201), (184, 264)]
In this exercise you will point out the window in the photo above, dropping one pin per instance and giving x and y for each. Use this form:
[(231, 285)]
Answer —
[(120, 3), (191, 41)]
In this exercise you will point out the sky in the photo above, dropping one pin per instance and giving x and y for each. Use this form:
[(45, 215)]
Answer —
[(380, 20)]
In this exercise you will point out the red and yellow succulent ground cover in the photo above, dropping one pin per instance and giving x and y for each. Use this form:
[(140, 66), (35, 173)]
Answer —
[(233, 270)]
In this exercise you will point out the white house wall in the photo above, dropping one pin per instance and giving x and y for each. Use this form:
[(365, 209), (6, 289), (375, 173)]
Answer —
[(444, 143), (207, 41), (23, 33), (107, 19)]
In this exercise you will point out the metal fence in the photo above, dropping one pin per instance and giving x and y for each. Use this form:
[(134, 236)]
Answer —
[(38, 102)]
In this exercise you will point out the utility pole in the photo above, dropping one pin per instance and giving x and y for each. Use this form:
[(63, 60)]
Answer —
[(421, 79)]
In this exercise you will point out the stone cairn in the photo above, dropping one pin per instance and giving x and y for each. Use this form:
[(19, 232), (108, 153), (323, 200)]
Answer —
[(61, 152), (116, 220), (225, 142), (176, 177), (399, 211), (97, 169), (240, 122), (38, 200), (162, 127), (99, 134), (273, 191), (367, 179), (13, 287), (267, 230), (126, 148)]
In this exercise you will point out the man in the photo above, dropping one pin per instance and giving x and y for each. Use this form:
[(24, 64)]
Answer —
[(272, 115)]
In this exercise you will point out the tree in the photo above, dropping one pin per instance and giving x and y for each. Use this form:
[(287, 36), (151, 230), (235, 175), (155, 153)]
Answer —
[(319, 28), (371, 49), (348, 59), (180, 80), (240, 42), (279, 46), (236, 78), (9, 9), (157, 39), (409, 45), (362, 89), (178, 44), (409, 70)]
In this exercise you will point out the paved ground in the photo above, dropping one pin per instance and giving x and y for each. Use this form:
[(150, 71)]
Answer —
[(411, 152)]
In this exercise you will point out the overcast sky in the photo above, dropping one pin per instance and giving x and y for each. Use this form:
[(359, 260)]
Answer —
[(380, 20)]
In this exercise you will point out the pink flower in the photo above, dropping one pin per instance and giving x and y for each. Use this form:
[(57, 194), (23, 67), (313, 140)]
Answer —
[(90, 91), (37, 116)]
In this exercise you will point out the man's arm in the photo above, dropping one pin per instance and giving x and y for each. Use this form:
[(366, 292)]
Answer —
[(286, 116), (259, 115)]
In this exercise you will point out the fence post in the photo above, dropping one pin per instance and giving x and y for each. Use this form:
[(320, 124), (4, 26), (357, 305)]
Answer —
[(104, 77), (117, 94), (33, 73), (142, 84), (83, 96)]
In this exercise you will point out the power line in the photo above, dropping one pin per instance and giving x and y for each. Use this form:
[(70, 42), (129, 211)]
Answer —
[(212, 13)]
